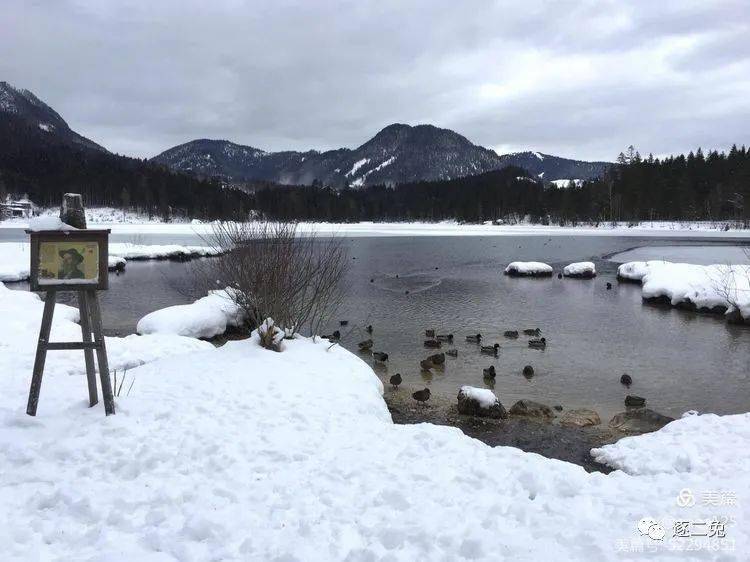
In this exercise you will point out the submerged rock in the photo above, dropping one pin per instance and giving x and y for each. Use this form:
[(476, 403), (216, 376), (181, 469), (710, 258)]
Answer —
[(480, 402), (582, 417), (642, 420), (531, 409), (635, 401)]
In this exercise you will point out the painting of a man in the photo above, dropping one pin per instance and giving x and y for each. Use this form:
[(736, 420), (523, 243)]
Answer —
[(69, 268)]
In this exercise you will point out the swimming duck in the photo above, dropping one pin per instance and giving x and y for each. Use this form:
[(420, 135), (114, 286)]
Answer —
[(538, 344), (432, 343), (429, 333), (490, 349), (489, 372), (452, 353), (528, 371), (365, 345), (444, 337), (532, 332), (369, 329), (511, 333), (626, 379), (380, 356), (474, 339), (426, 364), (437, 359)]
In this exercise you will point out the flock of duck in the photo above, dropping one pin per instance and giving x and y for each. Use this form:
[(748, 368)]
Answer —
[(436, 341)]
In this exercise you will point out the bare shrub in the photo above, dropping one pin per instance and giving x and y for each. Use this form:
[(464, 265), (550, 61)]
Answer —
[(274, 272)]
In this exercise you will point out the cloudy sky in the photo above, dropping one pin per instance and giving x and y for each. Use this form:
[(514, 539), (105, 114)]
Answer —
[(581, 79)]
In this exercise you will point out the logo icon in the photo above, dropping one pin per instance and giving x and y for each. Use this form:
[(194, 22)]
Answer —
[(652, 528), (686, 498)]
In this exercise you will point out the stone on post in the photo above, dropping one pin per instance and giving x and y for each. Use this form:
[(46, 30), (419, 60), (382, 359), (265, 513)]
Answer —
[(71, 210)]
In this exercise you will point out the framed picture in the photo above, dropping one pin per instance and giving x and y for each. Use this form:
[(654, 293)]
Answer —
[(69, 260)]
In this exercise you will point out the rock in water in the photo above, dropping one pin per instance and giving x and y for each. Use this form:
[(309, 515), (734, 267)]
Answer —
[(71, 210), (581, 417), (639, 421), (531, 409), (480, 402), (635, 401)]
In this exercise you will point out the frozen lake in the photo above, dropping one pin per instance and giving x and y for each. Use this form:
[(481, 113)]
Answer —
[(678, 360)]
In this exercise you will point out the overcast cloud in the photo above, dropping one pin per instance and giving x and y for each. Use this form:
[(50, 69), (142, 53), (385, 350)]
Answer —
[(578, 79)]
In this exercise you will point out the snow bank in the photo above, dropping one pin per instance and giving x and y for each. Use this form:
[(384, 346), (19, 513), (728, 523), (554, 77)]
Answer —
[(15, 263), (528, 269), (707, 445), (205, 318), (484, 396), (584, 269), (705, 287), (159, 251), (21, 314)]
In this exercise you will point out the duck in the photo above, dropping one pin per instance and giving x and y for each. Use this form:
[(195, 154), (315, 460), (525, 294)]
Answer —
[(335, 336), (609, 286), (490, 349), (432, 343), (532, 332), (538, 344), (380, 356), (511, 333), (396, 380), (489, 372), (343, 322), (559, 275), (429, 333), (444, 337), (426, 364), (365, 345), (474, 339), (452, 353), (528, 371), (421, 395), (437, 359), (626, 379), (369, 329)]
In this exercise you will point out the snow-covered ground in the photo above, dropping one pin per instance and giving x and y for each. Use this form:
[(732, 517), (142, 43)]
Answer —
[(134, 225), (205, 318), (241, 453), (705, 286), (16, 256)]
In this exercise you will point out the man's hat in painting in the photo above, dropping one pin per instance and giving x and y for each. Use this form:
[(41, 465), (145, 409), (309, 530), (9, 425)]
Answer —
[(77, 257)]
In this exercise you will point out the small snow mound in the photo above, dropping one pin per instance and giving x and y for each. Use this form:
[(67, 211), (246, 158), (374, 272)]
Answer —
[(528, 269), (484, 396), (205, 318), (48, 223), (584, 269)]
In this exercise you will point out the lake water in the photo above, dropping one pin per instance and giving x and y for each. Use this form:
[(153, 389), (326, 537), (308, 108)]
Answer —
[(678, 360)]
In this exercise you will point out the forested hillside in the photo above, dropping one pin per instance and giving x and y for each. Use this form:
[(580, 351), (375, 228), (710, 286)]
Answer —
[(693, 187), (44, 167)]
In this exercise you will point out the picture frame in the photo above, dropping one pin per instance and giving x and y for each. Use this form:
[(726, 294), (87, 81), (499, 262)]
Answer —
[(69, 260)]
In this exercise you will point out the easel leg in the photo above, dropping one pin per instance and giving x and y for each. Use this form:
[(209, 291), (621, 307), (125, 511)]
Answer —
[(101, 351), (83, 307), (41, 352)]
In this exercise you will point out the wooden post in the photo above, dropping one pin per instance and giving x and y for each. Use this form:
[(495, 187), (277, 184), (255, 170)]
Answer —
[(101, 352), (41, 352), (88, 353), (71, 210)]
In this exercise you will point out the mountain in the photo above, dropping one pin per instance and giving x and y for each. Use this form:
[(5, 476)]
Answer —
[(398, 154), (27, 110), (42, 158), (551, 168)]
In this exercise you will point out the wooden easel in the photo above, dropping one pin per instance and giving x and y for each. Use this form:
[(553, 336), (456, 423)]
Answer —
[(91, 321), (88, 306)]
